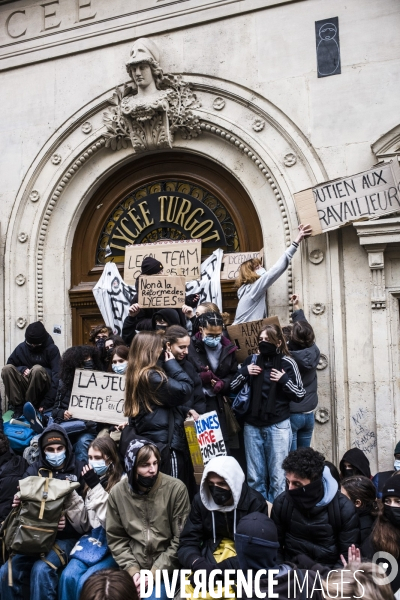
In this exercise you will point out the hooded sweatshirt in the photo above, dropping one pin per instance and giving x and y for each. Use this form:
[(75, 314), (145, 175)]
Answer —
[(252, 305), (307, 360), (209, 523), (357, 459)]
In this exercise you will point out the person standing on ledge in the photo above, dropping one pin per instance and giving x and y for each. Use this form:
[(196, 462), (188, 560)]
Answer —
[(253, 281)]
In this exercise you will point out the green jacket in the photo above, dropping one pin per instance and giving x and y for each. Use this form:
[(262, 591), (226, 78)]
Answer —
[(143, 530)]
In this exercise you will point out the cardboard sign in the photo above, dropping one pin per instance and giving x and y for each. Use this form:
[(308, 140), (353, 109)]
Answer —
[(182, 257), (245, 336), (231, 263), (333, 204), (209, 436), (194, 449), (157, 291), (98, 396)]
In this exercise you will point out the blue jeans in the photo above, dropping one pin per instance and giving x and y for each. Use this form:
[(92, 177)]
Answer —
[(75, 575), (33, 579), (266, 448), (302, 429), (81, 447)]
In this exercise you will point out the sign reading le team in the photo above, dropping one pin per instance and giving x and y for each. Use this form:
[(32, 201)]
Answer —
[(335, 203), (98, 396)]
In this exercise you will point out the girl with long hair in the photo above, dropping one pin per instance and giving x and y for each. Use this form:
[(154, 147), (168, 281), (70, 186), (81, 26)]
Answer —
[(88, 514), (361, 491), (119, 360), (275, 381)]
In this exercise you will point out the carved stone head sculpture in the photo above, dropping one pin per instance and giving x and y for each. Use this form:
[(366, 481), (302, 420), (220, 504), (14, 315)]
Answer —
[(144, 68)]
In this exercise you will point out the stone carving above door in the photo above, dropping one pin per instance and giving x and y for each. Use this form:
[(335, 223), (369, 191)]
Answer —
[(153, 107)]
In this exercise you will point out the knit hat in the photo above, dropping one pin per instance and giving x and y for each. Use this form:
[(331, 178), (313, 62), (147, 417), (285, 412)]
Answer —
[(391, 487), (151, 266), (397, 449), (36, 333), (53, 437), (256, 542), (258, 525)]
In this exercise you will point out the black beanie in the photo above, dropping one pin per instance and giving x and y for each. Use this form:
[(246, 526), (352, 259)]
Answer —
[(36, 333), (397, 449), (53, 437), (258, 525), (391, 487), (151, 266)]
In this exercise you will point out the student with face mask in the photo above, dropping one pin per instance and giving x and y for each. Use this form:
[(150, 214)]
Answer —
[(354, 462), (381, 478), (119, 360), (146, 513), (89, 514)]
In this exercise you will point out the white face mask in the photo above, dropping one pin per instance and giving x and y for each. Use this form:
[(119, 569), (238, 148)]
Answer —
[(260, 271), (397, 465)]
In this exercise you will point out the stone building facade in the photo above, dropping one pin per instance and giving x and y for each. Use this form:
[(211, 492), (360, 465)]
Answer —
[(262, 125)]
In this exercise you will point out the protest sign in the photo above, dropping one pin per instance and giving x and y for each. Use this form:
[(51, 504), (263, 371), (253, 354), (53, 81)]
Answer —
[(333, 204), (113, 297), (194, 449), (245, 336), (157, 291), (182, 257), (98, 396), (209, 436), (231, 263)]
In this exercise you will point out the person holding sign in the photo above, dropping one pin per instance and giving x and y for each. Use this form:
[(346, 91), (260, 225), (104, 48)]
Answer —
[(254, 280), (275, 381)]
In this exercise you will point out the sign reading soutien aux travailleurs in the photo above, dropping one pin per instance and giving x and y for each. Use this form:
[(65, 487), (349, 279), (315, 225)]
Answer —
[(335, 203)]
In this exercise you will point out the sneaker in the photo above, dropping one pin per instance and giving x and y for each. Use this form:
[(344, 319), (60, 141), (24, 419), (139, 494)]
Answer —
[(33, 417)]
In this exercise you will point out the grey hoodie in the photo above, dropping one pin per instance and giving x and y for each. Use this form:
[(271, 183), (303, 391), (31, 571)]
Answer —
[(252, 305)]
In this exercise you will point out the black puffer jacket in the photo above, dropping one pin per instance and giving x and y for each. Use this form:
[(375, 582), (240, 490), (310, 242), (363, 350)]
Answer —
[(316, 533), (197, 400), (307, 360), (48, 357), (12, 469), (174, 395)]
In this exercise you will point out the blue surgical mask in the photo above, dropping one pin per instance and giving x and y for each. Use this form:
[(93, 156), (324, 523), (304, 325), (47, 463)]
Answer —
[(99, 466), (55, 460), (119, 368), (397, 465), (212, 342)]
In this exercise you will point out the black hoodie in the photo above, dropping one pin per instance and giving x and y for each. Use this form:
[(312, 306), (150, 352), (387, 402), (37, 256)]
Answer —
[(357, 459), (307, 360), (12, 469)]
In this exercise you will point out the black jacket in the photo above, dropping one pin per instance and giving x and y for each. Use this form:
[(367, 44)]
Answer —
[(143, 321), (175, 396), (61, 403), (289, 585), (197, 536), (12, 468), (71, 470), (307, 360), (197, 400), (367, 521), (314, 533), (48, 357)]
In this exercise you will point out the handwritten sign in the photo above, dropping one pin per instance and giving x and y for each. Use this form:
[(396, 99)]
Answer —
[(245, 336), (157, 291), (194, 449), (231, 263), (98, 396), (336, 203), (182, 257), (209, 436)]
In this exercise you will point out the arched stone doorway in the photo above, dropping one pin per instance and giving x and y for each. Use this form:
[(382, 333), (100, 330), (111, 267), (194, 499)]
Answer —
[(198, 178)]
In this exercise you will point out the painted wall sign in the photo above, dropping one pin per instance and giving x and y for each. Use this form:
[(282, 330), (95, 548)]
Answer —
[(157, 291), (98, 396), (328, 47), (333, 204), (231, 263), (245, 336)]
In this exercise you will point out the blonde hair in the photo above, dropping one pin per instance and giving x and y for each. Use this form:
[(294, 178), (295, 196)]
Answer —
[(143, 355), (361, 583), (247, 272)]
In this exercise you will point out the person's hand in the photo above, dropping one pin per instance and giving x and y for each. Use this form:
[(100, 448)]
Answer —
[(90, 476), (26, 372), (85, 469), (168, 355), (354, 556), (67, 415), (61, 523), (276, 375), (206, 376), (194, 414), (134, 309), (122, 426), (254, 369), (217, 385), (304, 232), (41, 409), (295, 299), (16, 501), (187, 311)]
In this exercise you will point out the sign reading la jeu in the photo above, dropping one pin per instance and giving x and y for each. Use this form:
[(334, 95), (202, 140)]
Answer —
[(98, 396)]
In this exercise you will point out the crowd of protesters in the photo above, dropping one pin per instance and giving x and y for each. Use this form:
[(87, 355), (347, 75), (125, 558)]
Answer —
[(272, 502)]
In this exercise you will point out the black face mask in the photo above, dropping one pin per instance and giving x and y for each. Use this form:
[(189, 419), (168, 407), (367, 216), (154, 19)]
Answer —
[(146, 482), (350, 472), (219, 495), (306, 497), (36, 349), (392, 513), (100, 343), (161, 327), (88, 364), (267, 349), (109, 351)]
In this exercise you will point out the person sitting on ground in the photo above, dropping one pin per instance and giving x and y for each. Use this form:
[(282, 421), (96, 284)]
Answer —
[(253, 281), (32, 577), (312, 516), (361, 491), (306, 354), (207, 540), (145, 515), (12, 469), (100, 475), (354, 462), (110, 344), (256, 542), (31, 374), (119, 360), (381, 477), (109, 584)]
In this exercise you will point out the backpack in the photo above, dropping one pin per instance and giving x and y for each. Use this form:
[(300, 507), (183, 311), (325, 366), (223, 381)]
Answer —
[(19, 436), (241, 403), (31, 528)]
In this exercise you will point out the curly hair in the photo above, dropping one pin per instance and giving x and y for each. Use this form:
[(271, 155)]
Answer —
[(156, 71), (307, 463), (99, 329), (73, 359)]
